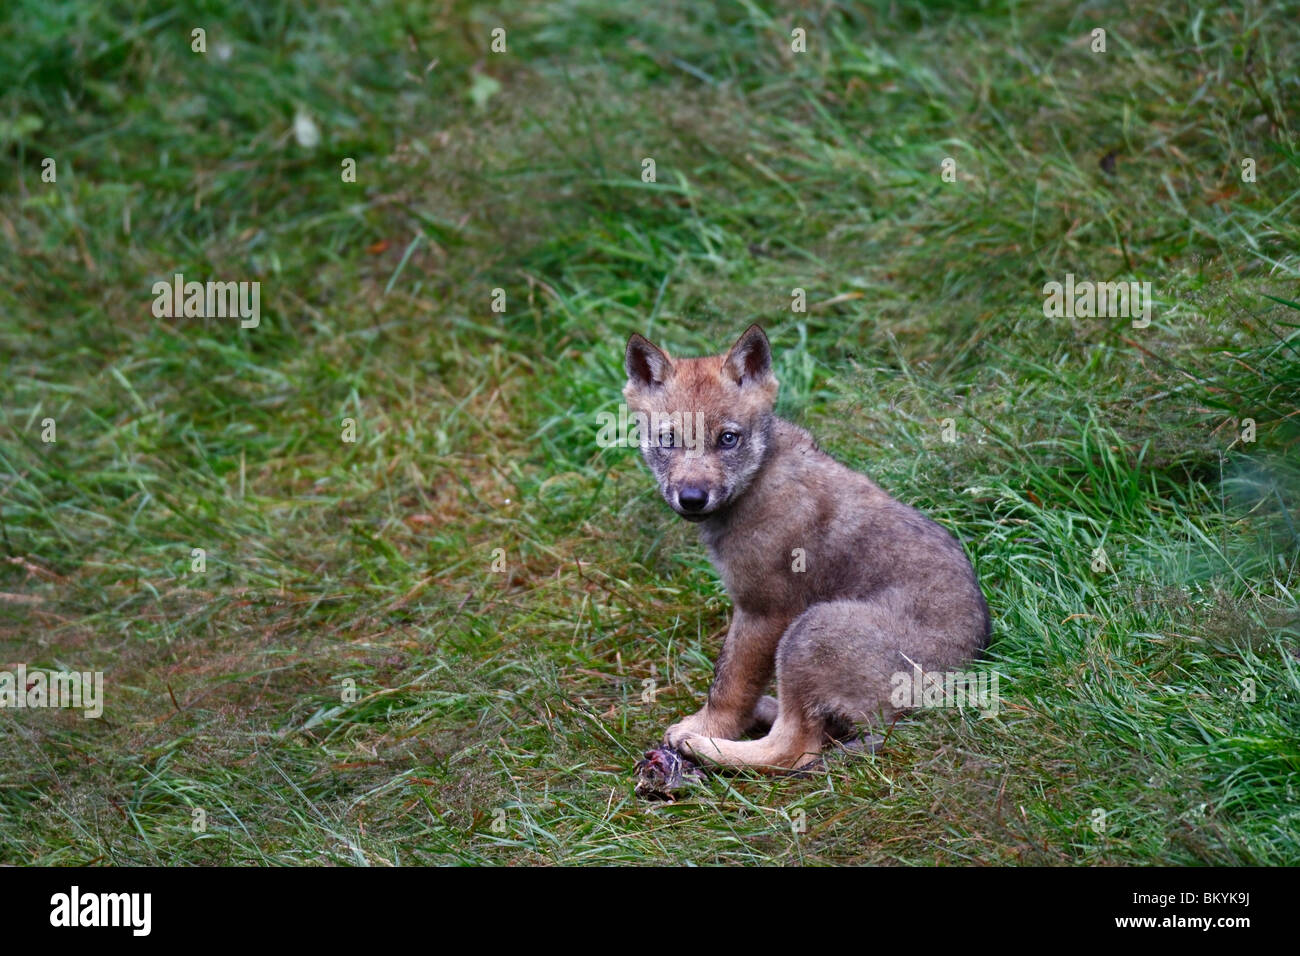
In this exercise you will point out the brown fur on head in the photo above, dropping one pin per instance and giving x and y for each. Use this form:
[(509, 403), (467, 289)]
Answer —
[(688, 411)]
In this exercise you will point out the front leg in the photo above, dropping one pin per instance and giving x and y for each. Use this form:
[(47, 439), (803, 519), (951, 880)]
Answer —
[(744, 669)]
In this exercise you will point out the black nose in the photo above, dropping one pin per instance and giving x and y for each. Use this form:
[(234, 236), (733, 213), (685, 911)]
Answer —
[(693, 498)]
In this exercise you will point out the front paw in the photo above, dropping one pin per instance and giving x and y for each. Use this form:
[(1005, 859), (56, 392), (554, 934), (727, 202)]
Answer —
[(682, 730), (704, 723), (697, 747)]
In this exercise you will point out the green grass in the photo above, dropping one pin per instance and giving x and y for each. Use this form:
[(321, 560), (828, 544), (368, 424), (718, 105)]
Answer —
[(497, 714)]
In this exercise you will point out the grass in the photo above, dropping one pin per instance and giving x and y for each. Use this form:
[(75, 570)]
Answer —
[(350, 681)]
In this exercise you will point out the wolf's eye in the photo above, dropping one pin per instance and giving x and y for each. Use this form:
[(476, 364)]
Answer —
[(729, 439), (667, 438)]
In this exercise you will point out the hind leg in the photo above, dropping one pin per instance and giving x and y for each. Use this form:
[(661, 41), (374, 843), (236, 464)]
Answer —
[(793, 741), (761, 719), (834, 668)]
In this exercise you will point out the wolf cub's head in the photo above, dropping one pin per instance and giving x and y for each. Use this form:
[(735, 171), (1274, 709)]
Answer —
[(704, 422)]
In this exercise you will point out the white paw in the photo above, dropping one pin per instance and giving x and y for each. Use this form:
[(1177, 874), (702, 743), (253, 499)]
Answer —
[(678, 732)]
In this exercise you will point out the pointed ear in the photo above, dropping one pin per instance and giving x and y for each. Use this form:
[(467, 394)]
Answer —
[(646, 363), (750, 360)]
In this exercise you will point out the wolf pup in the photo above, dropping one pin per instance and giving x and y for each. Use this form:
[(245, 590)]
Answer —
[(836, 585)]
